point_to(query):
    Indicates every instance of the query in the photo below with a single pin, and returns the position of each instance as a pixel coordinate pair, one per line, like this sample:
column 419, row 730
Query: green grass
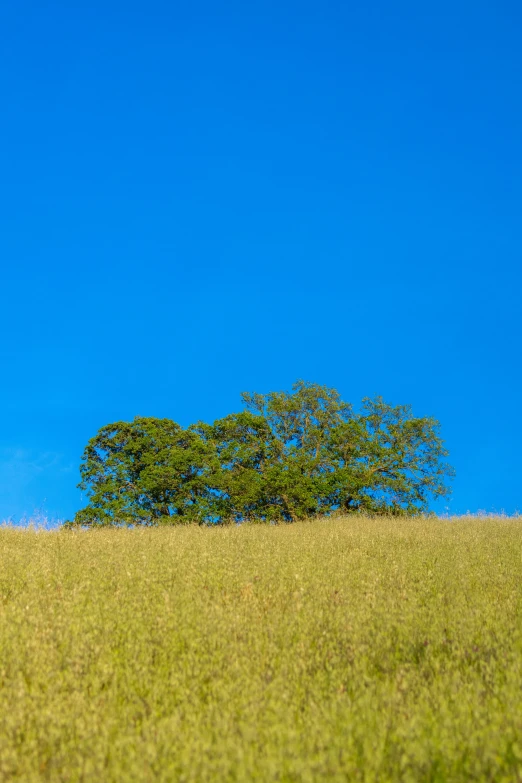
column 339, row 650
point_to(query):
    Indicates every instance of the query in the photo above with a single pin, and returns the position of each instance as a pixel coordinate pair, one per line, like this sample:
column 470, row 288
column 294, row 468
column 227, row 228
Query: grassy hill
column 340, row 650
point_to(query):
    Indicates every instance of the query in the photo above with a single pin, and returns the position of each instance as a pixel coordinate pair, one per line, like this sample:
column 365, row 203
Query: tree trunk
column 288, row 508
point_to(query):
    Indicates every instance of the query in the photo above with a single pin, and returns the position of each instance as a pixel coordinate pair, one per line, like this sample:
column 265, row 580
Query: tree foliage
column 286, row 456
column 148, row 471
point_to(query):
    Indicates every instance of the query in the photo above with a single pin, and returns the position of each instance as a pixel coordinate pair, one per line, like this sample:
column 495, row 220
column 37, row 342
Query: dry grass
column 337, row 650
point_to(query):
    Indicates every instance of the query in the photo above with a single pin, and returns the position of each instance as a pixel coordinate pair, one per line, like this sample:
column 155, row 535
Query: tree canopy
column 286, row 456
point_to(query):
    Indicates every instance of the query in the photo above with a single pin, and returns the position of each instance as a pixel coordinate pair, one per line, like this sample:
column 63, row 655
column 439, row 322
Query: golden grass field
column 335, row 650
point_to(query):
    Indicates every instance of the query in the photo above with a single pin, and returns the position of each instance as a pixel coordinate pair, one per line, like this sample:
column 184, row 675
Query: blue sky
column 203, row 198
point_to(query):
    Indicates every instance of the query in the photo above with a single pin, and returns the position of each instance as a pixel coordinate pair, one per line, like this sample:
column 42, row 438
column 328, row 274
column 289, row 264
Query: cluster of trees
column 286, row 456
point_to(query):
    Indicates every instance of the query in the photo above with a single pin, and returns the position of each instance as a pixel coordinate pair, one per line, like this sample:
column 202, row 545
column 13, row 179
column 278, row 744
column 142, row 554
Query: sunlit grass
column 336, row 650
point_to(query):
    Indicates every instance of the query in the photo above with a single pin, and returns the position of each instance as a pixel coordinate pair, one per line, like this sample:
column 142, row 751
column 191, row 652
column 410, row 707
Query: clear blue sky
column 201, row 198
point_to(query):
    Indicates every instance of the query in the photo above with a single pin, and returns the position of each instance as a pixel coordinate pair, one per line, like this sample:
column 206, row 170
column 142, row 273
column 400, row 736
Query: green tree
column 149, row 471
column 243, row 445
column 299, row 474
column 389, row 461
column 314, row 455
